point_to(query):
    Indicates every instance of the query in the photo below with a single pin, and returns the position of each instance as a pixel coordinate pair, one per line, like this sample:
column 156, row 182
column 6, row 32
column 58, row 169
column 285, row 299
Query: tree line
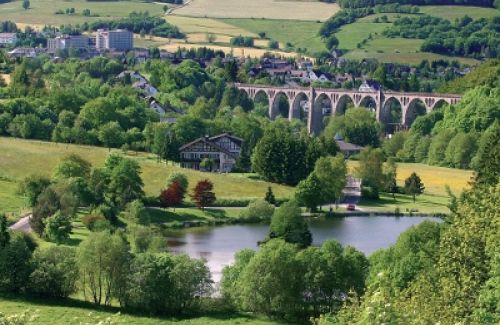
column 465, row 37
column 371, row 3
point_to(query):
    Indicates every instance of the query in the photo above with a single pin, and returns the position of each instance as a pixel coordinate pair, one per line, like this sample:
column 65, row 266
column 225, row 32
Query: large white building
column 7, row 38
column 119, row 39
column 66, row 42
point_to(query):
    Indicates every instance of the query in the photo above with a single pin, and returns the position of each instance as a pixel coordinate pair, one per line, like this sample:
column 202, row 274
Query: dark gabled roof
column 207, row 141
column 239, row 141
column 326, row 74
column 346, row 146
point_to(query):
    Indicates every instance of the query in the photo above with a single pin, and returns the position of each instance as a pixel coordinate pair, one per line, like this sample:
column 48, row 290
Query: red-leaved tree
column 202, row 193
column 172, row 196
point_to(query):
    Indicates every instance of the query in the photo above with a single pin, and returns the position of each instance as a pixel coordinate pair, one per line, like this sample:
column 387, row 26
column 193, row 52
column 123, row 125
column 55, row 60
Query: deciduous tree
column 203, row 194
column 414, row 185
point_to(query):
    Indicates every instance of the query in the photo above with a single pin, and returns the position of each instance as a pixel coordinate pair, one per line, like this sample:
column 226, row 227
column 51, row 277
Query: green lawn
column 425, row 203
column 63, row 312
column 9, row 200
column 301, row 34
column 167, row 216
column 21, row 158
column 42, row 12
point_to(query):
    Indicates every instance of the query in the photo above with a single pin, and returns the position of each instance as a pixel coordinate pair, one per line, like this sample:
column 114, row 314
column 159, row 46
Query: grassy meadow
column 433, row 200
column 296, row 10
column 301, row 34
column 453, row 12
column 62, row 312
column 400, row 50
column 42, row 12
column 21, row 158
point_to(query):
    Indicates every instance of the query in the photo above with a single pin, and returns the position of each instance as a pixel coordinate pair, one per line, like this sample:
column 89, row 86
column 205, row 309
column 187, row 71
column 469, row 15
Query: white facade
column 7, row 38
column 119, row 39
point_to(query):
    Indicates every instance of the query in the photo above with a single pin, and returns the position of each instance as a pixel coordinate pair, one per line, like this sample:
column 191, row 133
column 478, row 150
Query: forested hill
column 486, row 74
column 371, row 3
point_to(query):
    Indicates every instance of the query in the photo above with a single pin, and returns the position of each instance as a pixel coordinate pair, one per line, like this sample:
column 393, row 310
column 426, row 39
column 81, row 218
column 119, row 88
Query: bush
column 90, row 220
column 136, row 212
column 15, row 266
column 258, row 210
column 369, row 192
column 55, row 272
column 57, row 228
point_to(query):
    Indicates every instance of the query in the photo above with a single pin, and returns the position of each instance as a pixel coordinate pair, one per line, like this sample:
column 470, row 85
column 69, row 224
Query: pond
column 218, row 244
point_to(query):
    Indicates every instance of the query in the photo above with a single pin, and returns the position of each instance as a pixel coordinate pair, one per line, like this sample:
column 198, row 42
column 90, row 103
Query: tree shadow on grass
column 87, row 306
column 216, row 213
column 164, row 216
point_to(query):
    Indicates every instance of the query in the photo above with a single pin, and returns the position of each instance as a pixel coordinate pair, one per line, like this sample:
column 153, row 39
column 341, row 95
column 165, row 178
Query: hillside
column 487, row 73
column 21, row 158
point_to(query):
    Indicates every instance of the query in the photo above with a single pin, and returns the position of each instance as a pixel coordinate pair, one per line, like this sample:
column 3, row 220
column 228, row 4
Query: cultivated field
column 43, row 11
column 21, row 158
column 237, row 51
column 272, row 9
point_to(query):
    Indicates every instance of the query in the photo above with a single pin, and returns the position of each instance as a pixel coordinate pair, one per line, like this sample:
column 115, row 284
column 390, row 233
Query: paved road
column 23, row 224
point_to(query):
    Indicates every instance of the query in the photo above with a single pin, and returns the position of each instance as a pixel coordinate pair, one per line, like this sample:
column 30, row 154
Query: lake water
column 218, row 244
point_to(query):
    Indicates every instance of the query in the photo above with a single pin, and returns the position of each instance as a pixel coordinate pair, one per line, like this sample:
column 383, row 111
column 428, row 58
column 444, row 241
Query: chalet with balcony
column 223, row 150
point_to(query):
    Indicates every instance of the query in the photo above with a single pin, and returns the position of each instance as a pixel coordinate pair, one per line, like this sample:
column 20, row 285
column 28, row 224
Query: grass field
column 435, row 197
column 43, row 11
column 301, row 34
column 272, row 9
column 63, row 312
column 21, row 158
column 453, row 12
column 400, row 49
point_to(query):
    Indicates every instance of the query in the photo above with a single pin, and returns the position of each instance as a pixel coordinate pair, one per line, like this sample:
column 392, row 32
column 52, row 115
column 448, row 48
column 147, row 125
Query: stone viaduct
column 313, row 104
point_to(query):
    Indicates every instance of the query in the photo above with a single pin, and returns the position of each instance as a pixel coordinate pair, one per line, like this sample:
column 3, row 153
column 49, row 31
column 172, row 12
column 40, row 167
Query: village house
column 26, row 52
column 222, row 151
column 369, row 86
column 8, row 38
column 318, row 75
column 347, row 149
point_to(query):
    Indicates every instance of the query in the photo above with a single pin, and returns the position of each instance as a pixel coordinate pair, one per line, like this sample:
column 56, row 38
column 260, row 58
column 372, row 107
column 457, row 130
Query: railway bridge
column 314, row 104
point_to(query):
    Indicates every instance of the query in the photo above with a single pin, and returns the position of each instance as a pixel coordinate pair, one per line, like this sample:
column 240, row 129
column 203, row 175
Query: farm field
column 43, row 11
column 23, row 157
column 62, row 312
column 300, row 34
column 272, row 9
column 237, row 51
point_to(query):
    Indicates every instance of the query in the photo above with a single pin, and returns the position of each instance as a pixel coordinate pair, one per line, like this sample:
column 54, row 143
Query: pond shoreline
column 326, row 215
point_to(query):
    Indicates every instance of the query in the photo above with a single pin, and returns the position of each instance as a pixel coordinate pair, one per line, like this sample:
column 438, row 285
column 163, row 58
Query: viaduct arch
column 314, row 104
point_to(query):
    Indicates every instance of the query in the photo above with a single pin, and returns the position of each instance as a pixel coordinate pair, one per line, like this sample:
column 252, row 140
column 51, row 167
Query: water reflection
column 218, row 244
